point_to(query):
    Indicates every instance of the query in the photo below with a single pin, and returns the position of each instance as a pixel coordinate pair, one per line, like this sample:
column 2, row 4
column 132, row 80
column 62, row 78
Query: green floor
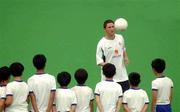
column 67, row 32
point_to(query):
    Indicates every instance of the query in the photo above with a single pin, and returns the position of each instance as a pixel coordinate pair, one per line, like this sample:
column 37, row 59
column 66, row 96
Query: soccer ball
column 121, row 24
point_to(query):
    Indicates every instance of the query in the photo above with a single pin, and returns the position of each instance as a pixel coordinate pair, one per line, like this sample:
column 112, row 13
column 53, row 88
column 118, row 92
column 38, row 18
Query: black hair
column 158, row 65
column 109, row 70
column 63, row 78
column 4, row 73
column 16, row 69
column 39, row 61
column 106, row 22
column 134, row 78
column 81, row 76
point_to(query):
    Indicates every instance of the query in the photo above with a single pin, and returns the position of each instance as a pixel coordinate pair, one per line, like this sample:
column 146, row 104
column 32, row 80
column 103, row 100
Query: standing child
column 4, row 78
column 108, row 93
column 42, row 86
column 65, row 99
column 17, row 90
column 161, row 88
column 84, row 93
column 135, row 99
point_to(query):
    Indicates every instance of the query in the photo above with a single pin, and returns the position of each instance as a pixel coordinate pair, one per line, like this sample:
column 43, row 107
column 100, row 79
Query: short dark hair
column 106, row 22
column 39, row 61
column 109, row 70
column 4, row 73
column 158, row 65
column 81, row 76
column 16, row 69
column 63, row 78
column 134, row 78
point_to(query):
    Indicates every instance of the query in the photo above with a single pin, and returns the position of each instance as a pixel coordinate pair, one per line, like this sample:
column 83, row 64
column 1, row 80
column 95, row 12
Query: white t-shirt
column 163, row 86
column 113, row 52
column 42, row 85
column 19, row 91
column 135, row 99
column 2, row 92
column 64, row 99
column 84, row 95
column 109, row 92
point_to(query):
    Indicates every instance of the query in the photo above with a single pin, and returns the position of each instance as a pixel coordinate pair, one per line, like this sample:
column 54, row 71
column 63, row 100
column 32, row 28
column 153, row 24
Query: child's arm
column 144, row 109
column 170, row 97
column 51, row 100
column 154, row 99
column 99, row 104
column 118, row 104
column 33, row 101
column 1, row 105
column 73, row 108
column 9, row 100
column 126, row 108
column 91, row 106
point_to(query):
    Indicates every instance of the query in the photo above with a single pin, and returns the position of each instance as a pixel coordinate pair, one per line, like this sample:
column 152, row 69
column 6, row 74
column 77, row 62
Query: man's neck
column 18, row 78
column 110, row 37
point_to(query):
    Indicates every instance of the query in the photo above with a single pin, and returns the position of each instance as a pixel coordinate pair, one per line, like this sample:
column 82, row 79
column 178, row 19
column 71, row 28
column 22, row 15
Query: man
column 111, row 49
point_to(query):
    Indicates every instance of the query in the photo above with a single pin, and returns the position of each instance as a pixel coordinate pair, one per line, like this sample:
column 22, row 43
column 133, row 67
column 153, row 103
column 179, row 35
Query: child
column 135, row 99
column 4, row 78
column 17, row 90
column 161, row 87
column 65, row 99
column 108, row 93
column 42, row 86
column 84, row 93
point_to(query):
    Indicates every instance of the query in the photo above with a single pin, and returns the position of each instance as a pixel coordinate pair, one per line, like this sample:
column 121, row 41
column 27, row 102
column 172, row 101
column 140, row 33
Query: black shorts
column 125, row 85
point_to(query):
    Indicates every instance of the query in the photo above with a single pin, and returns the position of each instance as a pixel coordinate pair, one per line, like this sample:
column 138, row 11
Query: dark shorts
column 125, row 85
column 163, row 108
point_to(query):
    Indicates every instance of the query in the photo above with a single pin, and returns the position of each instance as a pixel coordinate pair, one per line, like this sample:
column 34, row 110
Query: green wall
column 67, row 32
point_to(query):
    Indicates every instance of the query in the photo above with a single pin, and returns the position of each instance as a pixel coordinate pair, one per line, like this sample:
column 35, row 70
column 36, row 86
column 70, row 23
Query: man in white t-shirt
column 108, row 93
column 4, row 78
column 84, row 93
column 162, row 88
column 65, row 99
column 135, row 99
column 42, row 86
column 16, row 91
column 111, row 49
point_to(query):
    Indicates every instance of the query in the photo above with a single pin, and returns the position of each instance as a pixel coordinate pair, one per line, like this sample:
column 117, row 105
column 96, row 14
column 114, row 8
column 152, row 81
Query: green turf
column 67, row 32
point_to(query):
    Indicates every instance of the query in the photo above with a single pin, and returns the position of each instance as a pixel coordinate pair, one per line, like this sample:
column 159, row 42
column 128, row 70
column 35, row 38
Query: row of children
column 44, row 97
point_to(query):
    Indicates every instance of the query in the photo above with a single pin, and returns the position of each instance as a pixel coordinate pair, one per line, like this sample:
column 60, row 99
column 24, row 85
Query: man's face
column 110, row 30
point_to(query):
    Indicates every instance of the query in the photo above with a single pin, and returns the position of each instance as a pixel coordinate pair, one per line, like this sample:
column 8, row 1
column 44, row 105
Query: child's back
column 109, row 92
column 84, row 93
column 17, row 91
column 84, row 96
column 65, row 98
column 42, row 85
column 163, row 85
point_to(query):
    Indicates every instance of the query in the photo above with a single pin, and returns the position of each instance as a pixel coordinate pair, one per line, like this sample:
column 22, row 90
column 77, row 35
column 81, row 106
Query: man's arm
column 126, row 59
column 91, row 106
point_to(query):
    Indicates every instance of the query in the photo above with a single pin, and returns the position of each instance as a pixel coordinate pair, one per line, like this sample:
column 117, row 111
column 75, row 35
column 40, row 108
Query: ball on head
column 121, row 24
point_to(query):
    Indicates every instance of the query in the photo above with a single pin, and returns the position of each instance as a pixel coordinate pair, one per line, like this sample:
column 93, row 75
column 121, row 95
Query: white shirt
column 163, row 86
column 19, row 91
column 84, row 95
column 2, row 92
column 64, row 99
column 42, row 85
column 113, row 52
column 109, row 92
column 135, row 99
